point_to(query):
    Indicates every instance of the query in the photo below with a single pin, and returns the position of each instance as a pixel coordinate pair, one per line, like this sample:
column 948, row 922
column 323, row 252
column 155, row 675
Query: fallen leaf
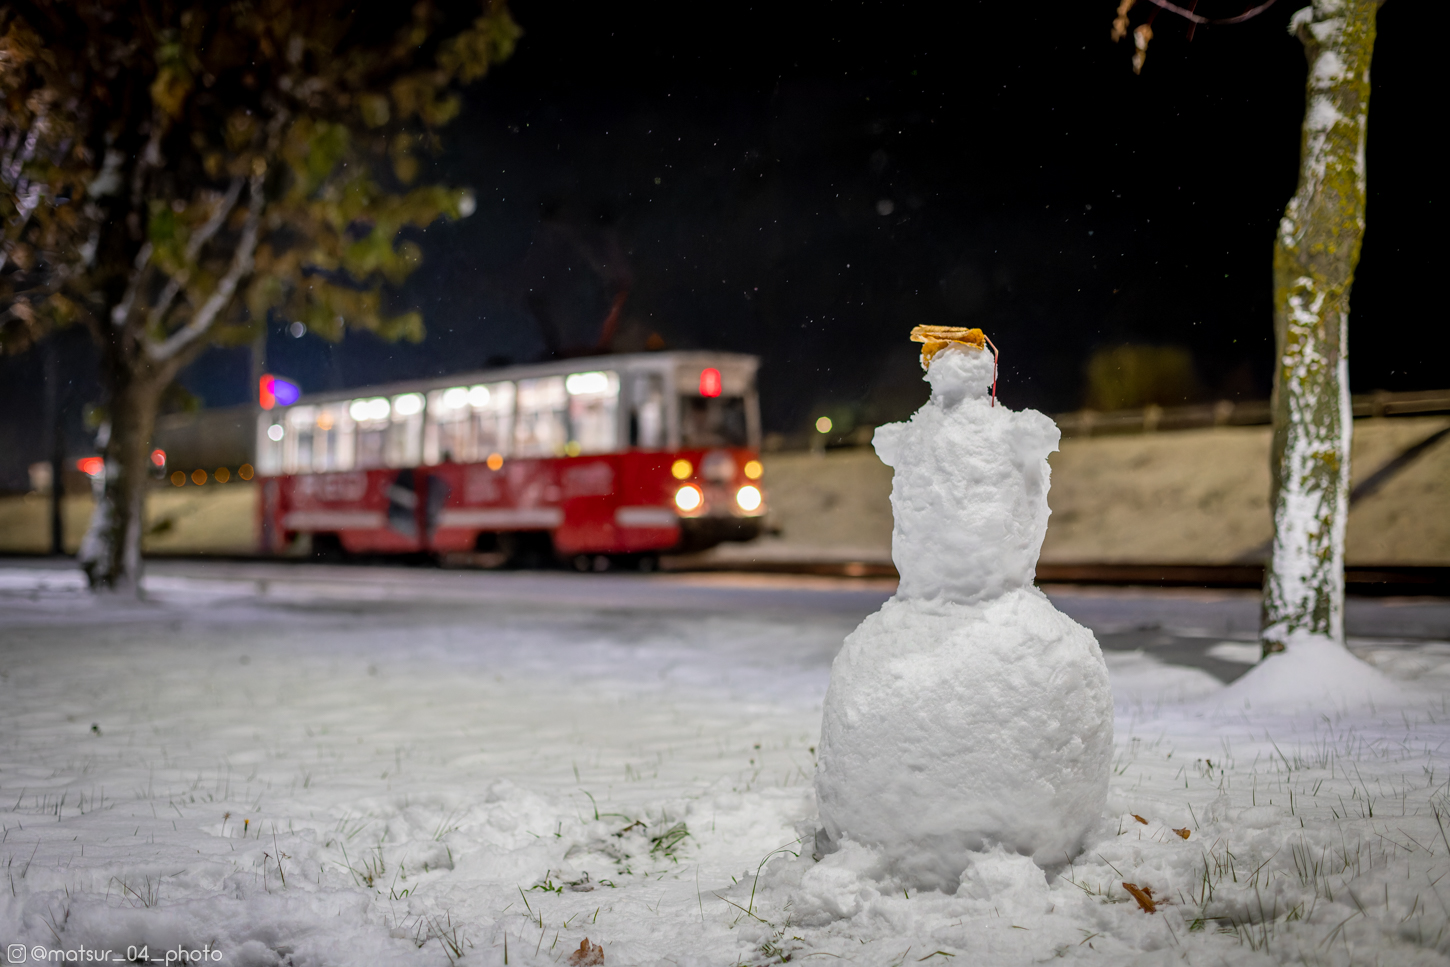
column 1144, row 896
column 1182, row 832
column 590, row 954
column 1139, row 818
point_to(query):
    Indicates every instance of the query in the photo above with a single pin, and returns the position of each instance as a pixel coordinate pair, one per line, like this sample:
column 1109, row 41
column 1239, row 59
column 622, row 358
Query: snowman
column 968, row 713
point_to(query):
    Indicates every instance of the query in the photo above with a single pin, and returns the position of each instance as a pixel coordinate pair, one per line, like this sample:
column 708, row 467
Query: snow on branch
column 201, row 323
column 193, row 249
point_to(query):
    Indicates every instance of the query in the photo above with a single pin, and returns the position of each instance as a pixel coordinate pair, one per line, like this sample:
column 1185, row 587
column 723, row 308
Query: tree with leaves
column 174, row 171
column 1316, row 251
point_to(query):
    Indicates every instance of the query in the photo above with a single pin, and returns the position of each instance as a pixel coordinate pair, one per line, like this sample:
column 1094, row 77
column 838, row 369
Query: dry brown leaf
column 589, row 954
column 1182, row 832
column 1141, row 35
column 1120, row 22
column 1139, row 818
column 1144, row 896
column 937, row 338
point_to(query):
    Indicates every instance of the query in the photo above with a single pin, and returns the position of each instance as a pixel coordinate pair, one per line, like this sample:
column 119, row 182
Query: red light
column 94, row 466
column 158, row 457
column 710, row 382
column 265, row 396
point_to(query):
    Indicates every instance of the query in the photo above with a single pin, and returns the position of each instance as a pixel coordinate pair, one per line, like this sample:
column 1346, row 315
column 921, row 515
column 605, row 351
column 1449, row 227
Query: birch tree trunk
column 1315, row 255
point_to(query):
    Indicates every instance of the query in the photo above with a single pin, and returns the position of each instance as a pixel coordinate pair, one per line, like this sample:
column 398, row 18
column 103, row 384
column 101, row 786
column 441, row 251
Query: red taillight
column 710, row 382
column 94, row 466
column 158, row 457
column 265, row 396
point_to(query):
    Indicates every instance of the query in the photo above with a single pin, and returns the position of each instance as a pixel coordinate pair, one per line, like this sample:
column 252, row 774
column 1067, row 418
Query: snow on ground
column 272, row 764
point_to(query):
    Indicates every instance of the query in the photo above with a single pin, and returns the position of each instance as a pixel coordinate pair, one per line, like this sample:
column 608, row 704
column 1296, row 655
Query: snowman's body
column 968, row 711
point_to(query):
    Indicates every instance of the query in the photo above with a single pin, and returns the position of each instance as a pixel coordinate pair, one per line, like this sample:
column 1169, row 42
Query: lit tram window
column 365, row 411
column 582, row 384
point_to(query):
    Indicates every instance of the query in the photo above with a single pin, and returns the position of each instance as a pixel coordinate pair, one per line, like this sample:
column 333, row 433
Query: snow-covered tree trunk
column 110, row 553
column 1314, row 260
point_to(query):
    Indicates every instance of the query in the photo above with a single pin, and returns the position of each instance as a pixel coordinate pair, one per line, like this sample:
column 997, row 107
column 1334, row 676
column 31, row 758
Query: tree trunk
column 1315, row 255
column 111, row 550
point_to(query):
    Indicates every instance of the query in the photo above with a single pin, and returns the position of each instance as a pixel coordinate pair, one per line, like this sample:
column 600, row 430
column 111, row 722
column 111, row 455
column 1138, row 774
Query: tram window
column 467, row 423
column 493, row 416
column 332, row 439
column 593, row 409
column 297, row 444
column 448, row 436
column 540, row 424
column 405, row 434
column 647, row 417
column 713, row 421
column 371, row 417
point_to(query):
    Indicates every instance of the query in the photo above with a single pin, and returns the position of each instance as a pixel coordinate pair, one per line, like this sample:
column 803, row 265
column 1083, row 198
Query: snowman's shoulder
column 889, row 439
column 1036, row 429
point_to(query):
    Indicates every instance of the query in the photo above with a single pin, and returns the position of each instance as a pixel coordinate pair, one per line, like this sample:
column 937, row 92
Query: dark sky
column 808, row 181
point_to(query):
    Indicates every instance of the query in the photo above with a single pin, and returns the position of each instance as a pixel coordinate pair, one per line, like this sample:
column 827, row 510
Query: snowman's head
column 960, row 372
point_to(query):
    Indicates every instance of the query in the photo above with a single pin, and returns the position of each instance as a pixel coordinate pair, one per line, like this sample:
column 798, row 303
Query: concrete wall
column 1189, row 496
column 213, row 519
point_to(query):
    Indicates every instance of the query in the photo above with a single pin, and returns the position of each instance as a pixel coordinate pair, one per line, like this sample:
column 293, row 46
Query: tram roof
column 626, row 362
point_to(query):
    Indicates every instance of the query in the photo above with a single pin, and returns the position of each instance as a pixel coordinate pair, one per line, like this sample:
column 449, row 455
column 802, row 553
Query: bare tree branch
column 207, row 314
column 1187, row 14
column 27, row 194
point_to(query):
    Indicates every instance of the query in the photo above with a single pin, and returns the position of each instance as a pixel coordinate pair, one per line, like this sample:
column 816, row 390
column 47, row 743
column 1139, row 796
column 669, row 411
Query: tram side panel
column 519, row 495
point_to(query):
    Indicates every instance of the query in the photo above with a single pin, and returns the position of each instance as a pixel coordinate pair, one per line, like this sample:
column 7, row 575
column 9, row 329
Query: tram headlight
column 748, row 498
column 689, row 498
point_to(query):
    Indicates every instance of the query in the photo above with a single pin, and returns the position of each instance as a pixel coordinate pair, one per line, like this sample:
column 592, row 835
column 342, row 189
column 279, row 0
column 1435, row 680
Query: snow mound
column 968, row 712
column 1312, row 670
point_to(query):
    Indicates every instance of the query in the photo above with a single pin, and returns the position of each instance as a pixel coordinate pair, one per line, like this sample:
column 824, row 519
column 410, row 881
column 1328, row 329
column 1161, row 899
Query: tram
column 597, row 461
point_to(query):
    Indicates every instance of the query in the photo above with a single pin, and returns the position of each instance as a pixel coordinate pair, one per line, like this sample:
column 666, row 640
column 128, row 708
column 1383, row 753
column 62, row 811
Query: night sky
column 808, row 181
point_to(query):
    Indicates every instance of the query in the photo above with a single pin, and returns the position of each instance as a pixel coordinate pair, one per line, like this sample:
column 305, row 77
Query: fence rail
column 1230, row 413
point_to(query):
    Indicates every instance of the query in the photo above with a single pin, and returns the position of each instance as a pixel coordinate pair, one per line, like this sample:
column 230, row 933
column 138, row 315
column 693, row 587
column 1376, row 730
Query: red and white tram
column 589, row 460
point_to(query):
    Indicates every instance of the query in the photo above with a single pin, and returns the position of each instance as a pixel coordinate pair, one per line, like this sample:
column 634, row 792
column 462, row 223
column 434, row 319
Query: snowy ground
column 298, row 765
